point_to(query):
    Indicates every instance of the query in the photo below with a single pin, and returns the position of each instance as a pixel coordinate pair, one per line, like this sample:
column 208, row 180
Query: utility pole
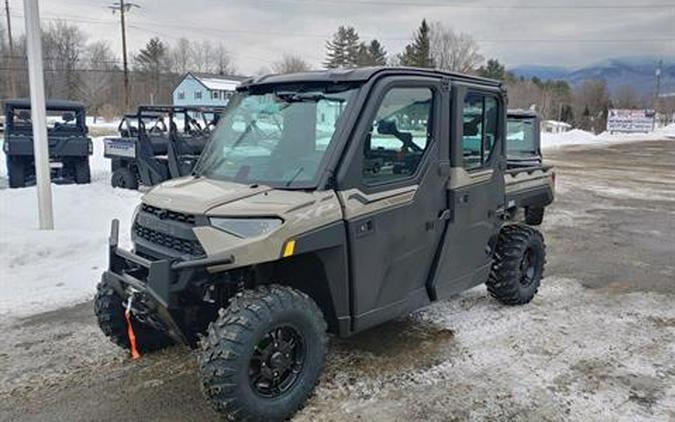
column 124, row 7
column 38, row 113
column 12, row 80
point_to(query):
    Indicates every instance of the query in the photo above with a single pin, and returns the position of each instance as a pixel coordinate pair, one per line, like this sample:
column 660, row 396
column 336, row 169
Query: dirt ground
column 597, row 343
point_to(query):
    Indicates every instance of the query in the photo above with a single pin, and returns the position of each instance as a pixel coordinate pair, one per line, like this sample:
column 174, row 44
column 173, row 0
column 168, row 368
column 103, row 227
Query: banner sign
column 624, row 120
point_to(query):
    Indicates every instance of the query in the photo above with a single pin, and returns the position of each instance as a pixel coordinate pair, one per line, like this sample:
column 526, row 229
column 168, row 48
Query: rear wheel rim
column 528, row 268
column 277, row 362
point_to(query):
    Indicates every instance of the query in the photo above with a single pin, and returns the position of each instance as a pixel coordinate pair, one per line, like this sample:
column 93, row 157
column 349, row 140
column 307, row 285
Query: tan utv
column 325, row 202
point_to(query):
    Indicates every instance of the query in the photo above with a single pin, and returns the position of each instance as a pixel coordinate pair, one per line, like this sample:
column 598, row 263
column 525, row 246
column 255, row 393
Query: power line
column 445, row 5
column 124, row 8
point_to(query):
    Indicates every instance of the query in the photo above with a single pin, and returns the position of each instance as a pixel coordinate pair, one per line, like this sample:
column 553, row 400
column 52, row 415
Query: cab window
column 480, row 129
column 398, row 136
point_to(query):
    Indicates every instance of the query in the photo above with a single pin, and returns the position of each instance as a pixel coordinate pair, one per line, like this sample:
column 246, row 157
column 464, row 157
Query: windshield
column 520, row 137
column 64, row 122
column 274, row 138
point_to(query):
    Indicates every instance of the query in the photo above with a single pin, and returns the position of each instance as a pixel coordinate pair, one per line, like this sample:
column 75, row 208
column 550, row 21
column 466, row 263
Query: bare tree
column 97, row 80
column 456, row 52
column 289, row 64
column 626, row 97
column 181, row 56
column 592, row 100
column 224, row 63
column 63, row 46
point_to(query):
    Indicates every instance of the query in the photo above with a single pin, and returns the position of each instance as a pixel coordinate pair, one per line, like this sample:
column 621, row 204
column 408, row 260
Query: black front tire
column 534, row 216
column 230, row 363
column 518, row 265
column 82, row 171
column 109, row 311
column 17, row 169
column 124, row 178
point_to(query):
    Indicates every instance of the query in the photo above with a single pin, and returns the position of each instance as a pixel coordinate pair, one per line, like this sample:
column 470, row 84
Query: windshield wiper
column 302, row 97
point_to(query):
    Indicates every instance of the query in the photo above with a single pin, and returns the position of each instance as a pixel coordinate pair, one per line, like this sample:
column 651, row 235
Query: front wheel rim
column 277, row 362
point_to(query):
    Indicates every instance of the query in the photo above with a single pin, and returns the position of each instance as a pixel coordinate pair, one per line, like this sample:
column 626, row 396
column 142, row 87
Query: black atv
column 69, row 145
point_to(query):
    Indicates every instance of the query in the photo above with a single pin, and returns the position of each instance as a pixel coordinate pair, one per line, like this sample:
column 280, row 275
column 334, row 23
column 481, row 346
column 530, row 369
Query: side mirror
column 387, row 127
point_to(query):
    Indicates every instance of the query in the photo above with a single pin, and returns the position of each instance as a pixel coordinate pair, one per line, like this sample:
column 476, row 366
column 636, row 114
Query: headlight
column 246, row 227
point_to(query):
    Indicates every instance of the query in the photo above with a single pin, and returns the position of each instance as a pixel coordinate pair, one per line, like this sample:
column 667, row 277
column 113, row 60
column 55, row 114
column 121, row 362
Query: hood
column 196, row 195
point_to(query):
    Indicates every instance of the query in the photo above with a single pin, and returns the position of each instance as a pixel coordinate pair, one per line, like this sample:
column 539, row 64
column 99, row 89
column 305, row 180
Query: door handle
column 463, row 198
column 365, row 228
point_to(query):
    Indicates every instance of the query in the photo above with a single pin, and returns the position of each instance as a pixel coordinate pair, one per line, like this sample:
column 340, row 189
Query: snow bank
column 581, row 137
column 44, row 270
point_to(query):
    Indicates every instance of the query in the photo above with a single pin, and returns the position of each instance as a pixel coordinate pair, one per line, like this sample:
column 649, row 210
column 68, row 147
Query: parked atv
column 287, row 231
column 529, row 182
column 69, row 145
column 158, row 143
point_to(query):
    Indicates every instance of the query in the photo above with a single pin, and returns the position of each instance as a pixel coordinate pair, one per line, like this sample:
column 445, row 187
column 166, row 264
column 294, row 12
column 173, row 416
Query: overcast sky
column 258, row 32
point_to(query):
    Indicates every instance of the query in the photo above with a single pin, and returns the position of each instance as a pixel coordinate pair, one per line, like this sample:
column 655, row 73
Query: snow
column 44, row 270
column 581, row 137
column 219, row 84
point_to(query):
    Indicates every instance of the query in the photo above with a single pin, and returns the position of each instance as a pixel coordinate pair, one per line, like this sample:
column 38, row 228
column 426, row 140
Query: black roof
column 360, row 74
column 518, row 112
column 51, row 104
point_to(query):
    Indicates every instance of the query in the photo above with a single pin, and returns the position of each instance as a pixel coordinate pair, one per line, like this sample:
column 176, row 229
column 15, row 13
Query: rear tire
column 124, row 178
column 17, row 168
column 518, row 265
column 82, row 171
column 534, row 216
column 109, row 311
column 245, row 373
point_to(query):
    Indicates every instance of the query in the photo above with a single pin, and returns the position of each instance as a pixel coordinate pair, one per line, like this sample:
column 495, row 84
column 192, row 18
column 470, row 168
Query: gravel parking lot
column 597, row 343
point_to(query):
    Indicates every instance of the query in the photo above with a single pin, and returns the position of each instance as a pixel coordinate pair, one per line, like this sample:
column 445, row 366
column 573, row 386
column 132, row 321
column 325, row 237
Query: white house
column 205, row 89
column 552, row 126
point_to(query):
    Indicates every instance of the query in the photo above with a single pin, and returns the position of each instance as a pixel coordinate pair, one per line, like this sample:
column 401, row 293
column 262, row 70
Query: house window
column 198, row 95
column 215, row 95
column 181, row 95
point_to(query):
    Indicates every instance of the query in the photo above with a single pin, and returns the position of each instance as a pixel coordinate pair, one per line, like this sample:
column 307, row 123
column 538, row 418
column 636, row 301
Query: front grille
column 165, row 214
column 186, row 246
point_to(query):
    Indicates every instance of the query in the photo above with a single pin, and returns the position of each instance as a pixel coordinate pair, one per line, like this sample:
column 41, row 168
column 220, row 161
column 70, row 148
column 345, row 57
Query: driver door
column 392, row 196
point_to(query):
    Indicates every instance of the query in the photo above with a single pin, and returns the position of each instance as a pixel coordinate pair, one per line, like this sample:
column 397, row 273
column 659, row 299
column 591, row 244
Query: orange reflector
column 290, row 248
column 132, row 336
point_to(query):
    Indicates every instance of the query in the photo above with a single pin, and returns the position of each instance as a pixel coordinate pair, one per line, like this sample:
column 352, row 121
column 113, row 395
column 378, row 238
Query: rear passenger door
column 475, row 190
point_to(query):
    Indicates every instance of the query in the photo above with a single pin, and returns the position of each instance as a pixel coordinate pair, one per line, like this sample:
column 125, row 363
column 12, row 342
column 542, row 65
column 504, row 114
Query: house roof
column 216, row 82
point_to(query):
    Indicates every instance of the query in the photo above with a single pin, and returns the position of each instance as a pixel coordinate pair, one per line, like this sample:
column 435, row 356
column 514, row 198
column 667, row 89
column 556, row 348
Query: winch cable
column 130, row 331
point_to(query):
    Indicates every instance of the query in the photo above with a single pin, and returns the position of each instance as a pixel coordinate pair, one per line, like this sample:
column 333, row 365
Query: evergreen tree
column 152, row 61
column 418, row 52
column 343, row 50
column 377, row 53
column 493, row 70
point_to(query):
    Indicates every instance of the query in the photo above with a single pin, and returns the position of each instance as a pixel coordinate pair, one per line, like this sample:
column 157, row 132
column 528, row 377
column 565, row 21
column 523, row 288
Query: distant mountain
column 638, row 72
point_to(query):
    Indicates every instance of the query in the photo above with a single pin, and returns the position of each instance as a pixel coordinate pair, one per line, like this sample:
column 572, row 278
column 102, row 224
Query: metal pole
column 38, row 113
column 12, row 80
column 657, row 93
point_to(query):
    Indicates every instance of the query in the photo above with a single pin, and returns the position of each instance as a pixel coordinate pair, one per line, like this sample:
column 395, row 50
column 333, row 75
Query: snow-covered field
column 583, row 138
column 42, row 270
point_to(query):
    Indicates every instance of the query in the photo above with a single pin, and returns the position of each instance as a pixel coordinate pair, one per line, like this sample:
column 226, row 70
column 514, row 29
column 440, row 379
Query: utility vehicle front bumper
column 156, row 282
